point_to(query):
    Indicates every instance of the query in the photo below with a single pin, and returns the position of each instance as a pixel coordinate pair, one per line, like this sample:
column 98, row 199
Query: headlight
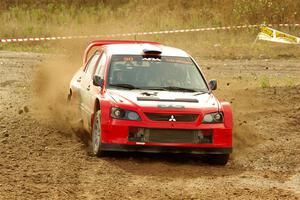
column 213, row 118
column 119, row 113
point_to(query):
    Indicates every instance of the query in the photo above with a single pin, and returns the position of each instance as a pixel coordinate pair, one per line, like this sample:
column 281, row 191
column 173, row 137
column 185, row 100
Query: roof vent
column 151, row 49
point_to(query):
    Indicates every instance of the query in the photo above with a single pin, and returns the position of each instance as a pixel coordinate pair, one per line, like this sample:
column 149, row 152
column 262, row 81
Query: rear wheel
column 217, row 159
column 96, row 135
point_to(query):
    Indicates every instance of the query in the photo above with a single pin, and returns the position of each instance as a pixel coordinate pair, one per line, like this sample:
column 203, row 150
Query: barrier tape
column 31, row 39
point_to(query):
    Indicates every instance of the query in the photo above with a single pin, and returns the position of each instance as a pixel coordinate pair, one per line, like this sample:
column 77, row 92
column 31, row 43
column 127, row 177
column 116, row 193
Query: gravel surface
column 42, row 158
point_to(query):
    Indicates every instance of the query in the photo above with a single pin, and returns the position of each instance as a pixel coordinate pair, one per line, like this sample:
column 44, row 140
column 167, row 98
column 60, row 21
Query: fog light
column 136, row 134
column 200, row 135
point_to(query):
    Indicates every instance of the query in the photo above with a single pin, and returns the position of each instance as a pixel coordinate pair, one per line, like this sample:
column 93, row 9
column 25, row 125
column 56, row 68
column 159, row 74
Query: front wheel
column 96, row 135
column 217, row 159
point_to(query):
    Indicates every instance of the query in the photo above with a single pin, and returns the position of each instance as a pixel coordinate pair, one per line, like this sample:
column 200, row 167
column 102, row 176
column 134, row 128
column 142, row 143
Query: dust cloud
column 51, row 86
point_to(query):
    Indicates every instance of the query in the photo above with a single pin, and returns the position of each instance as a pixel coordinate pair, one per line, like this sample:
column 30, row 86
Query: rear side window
column 89, row 69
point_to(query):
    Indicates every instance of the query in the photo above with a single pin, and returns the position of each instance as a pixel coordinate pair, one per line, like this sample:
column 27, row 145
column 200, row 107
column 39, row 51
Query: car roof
column 138, row 49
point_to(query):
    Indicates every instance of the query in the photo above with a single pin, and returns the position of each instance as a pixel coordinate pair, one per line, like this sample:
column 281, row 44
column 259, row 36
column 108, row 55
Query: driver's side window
column 101, row 66
column 89, row 69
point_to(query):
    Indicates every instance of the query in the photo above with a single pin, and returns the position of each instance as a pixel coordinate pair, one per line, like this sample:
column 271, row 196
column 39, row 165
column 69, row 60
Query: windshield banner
column 273, row 35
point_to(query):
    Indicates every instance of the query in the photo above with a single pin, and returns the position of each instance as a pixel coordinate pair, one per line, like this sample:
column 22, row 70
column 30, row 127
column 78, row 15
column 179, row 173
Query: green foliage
column 60, row 15
column 31, row 18
column 265, row 82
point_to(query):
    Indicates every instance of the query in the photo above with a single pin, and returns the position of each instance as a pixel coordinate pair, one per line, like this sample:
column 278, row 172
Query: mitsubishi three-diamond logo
column 172, row 119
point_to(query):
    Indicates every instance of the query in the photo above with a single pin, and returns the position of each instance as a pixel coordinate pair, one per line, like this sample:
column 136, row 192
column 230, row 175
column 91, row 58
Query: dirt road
column 41, row 158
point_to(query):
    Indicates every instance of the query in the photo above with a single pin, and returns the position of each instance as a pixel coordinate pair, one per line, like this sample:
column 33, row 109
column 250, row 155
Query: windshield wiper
column 153, row 88
column 180, row 89
column 170, row 88
column 200, row 92
column 124, row 85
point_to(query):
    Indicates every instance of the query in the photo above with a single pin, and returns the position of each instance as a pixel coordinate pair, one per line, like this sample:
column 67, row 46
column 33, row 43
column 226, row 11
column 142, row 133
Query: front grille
column 170, row 135
column 170, row 117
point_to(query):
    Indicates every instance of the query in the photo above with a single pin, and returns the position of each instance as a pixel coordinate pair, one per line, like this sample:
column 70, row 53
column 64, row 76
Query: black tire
column 217, row 159
column 96, row 136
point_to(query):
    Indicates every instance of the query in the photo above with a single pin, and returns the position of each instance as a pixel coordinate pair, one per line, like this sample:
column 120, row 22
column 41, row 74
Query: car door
column 86, row 88
column 96, row 90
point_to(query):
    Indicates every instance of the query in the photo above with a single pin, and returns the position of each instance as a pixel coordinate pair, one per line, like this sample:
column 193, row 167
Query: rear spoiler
column 98, row 43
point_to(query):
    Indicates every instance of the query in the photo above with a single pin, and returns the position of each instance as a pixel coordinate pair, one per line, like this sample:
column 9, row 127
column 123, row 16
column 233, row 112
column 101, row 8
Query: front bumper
column 164, row 149
column 115, row 137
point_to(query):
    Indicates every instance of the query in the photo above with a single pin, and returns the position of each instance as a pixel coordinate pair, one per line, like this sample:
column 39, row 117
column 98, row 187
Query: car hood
column 164, row 99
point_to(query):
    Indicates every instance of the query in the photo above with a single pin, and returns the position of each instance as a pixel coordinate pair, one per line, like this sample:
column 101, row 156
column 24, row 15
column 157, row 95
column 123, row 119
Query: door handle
column 88, row 88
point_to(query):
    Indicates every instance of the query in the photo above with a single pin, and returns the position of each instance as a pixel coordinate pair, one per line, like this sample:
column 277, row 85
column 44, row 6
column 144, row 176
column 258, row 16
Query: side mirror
column 97, row 81
column 213, row 84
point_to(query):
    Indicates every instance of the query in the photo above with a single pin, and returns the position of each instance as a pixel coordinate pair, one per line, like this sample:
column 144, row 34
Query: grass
column 29, row 18
column 265, row 82
column 271, row 81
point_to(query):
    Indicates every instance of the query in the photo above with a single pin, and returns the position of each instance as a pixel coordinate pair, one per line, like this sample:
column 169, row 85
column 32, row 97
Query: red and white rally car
column 147, row 97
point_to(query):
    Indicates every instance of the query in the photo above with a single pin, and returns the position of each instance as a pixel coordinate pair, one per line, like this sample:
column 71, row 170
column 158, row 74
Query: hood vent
column 168, row 100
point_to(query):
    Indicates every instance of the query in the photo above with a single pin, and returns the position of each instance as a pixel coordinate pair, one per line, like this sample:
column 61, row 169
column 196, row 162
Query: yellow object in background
column 273, row 35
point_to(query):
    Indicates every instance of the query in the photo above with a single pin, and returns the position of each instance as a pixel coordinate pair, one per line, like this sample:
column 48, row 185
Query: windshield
column 166, row 72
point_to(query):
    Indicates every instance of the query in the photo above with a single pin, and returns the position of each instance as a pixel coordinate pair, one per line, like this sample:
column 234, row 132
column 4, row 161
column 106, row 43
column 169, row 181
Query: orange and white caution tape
column 31, row 39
